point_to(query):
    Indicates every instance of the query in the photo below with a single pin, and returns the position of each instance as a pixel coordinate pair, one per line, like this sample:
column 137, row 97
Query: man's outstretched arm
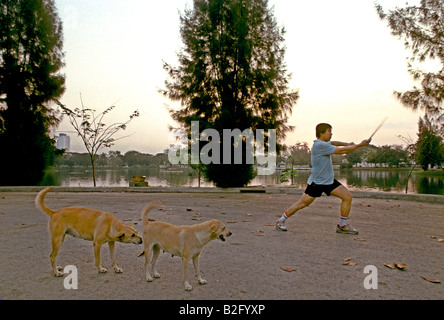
column 351, row 147
column 341, row 144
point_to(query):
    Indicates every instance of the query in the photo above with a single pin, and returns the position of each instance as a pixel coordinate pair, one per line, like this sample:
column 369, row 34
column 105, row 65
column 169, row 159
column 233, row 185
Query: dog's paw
column 102, row 270
column 188, row 286
column 202, row 281
column 157, row 275
column 150, row 279
column 118, row 270
column 58, row 272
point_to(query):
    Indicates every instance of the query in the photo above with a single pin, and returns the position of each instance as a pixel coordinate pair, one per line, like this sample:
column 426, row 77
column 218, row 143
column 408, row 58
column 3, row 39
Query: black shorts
column 315, row 190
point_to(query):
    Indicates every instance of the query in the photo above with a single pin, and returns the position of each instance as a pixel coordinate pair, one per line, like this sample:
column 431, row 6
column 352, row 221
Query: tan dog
column 97, row 226
column 186, row 242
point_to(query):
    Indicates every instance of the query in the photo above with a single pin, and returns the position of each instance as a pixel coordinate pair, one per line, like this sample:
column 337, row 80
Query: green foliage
column 288, row 175
column 356, row 156
column 421, row 29
column 429, row 148
column 390, row 155
column 298, row 154
column 231, row 75
column 114, row 159
column 31, row 56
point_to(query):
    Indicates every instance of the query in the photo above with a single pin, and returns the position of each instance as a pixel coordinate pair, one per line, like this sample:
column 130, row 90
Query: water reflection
column 366, row 179
column 380, row 180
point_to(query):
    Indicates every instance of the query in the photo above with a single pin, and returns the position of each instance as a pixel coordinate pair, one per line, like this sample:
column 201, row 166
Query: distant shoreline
column 429, row 198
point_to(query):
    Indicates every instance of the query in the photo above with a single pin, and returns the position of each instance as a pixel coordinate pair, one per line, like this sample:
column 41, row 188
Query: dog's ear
column 213, row 228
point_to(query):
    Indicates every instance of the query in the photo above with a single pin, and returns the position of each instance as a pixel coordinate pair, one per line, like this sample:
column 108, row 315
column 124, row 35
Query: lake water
column 387, row 180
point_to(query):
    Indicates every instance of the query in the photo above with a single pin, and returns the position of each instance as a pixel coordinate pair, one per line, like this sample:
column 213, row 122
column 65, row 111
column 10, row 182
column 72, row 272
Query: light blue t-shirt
column 321, row 165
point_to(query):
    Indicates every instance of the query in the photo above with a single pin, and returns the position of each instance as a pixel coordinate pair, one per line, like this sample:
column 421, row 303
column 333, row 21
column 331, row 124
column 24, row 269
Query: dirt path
column 248, row 265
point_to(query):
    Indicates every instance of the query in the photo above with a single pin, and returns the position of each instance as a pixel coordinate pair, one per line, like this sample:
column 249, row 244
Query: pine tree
column 231, row 75
column 422, row 29
column 429, row 148
column 31, row 56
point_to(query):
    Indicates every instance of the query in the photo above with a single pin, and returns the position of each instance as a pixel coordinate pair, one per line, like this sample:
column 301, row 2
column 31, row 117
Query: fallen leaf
column 401, row 266
column 288, row 269
column 440, row 240
column 347, row 262
column 431, row 280
column 359, row 239
column 188, row 209
column 258, row 233
column 128, row 219
column 433, row 237
column 394, row 265
column 269, row 225
column 231, row 221
column 249, row 214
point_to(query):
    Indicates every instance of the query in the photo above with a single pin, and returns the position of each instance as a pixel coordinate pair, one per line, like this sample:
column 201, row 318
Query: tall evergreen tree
column 422, row 30
column 231, row 75
column 31, row 56
column 429, row 147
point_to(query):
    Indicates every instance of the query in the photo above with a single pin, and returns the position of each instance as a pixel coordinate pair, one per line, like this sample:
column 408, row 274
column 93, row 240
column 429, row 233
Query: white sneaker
column 280, row 226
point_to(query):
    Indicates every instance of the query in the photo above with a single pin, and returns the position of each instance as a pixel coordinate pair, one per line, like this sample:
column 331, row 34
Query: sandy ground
column 248, row 265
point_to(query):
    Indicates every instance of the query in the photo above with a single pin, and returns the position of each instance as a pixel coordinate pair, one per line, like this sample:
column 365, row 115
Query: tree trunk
column 93, row 164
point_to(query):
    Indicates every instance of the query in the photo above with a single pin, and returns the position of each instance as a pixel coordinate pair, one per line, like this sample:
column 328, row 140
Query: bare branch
column 94, row 133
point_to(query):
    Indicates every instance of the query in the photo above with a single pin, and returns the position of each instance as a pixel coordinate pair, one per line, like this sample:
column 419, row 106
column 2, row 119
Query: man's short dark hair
column 321, row 128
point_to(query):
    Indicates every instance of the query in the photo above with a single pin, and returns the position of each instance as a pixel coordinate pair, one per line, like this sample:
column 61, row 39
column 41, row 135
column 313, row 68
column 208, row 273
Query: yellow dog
column 93, row 225
column 186, row 242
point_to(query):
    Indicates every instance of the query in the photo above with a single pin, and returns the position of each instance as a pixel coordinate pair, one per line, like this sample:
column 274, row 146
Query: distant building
column 63, row 142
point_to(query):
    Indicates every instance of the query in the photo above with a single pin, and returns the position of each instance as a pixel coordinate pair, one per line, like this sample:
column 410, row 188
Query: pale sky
column 344, row 62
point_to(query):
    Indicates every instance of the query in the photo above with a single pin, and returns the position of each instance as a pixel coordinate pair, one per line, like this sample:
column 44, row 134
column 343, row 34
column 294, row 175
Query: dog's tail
column 40, row 202
column 147, row 209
